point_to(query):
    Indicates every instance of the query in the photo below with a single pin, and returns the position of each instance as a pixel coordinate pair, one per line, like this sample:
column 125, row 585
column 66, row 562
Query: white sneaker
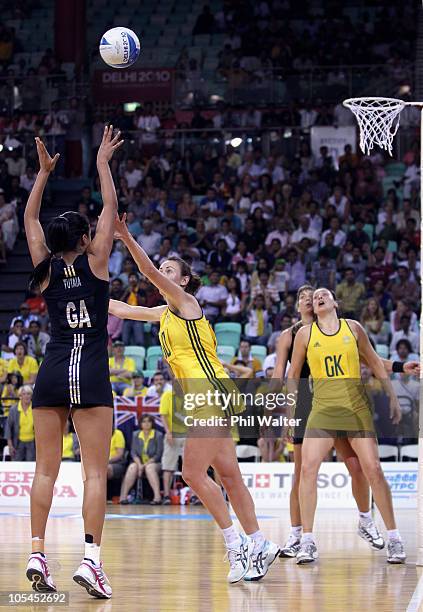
column 239, row 559
column 369, row 532
column 38, row 574
column 396, row 552
column 291, row 547
column 93, row 579
column 307, row 552
column 261, row 561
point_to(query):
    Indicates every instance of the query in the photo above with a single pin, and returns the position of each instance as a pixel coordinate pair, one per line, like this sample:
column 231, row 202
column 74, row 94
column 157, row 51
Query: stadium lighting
column 235, row 142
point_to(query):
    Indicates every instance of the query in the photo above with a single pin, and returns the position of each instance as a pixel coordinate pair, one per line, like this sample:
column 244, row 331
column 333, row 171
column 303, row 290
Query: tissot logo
column 262, row 481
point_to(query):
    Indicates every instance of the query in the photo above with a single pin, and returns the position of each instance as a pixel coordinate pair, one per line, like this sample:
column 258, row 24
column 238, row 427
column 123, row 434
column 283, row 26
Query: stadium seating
column 382, row 350
column 248, row 451
column 259, row 352
column 409, row 452
column 154, row 354
column 228, row 334
column 138, row 355
column 388, row 452
column 225, row 353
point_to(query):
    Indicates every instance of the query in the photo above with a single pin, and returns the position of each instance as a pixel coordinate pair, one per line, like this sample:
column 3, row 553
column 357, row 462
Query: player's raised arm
column 173, row 292
column 102, row 243
column 34, row 232
column 136, row 313
column 282, row 351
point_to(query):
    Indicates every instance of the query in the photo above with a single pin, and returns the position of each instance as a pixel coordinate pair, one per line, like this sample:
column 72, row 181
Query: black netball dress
column 304, row 395
column 75, row 370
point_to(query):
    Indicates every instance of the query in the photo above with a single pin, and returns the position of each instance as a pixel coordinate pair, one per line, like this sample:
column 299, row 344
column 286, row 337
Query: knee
column 374, row 472
column 309, row 469
column 191, row 475
column 354, row 467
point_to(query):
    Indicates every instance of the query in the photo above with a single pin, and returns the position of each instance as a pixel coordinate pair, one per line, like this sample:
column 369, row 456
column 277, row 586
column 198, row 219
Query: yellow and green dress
column 189, row 347
column 340, row 402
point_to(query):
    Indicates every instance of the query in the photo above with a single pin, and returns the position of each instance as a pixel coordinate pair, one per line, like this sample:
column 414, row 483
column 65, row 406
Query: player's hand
column 109, row 144
column 169, row 438
column 121, row 229
column 412, row 368
column 395, row 411
column 47, row 164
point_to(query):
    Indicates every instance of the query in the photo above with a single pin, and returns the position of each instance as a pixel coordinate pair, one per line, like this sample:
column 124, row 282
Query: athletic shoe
column 261, row 561
column 38, row 573
column 166, row 501
column 369, row 532
column 239, row 559
column 307, row 552
column 291, row 547
column 396, row 552
column 93, row 579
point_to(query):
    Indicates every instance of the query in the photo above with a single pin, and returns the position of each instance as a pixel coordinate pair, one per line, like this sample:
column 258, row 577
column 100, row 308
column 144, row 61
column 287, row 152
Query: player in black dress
column 72, row 273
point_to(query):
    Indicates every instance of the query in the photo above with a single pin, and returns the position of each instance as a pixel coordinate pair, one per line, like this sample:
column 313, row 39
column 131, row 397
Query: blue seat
column 258, row 351
column 138, row 355
column 225, row 353
column 228, row 334
column 154, row 354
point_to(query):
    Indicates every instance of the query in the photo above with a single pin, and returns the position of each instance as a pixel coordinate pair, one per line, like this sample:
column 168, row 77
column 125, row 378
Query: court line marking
column 417, row 597
column 136, row 517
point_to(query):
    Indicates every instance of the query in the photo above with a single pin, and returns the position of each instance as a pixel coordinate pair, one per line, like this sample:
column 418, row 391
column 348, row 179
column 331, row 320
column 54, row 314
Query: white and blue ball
column 119, row 47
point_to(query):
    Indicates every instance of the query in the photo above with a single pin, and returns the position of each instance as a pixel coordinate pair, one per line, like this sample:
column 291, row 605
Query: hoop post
column 419, row 559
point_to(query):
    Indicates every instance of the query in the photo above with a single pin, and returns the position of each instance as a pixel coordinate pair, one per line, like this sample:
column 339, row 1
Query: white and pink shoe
column 38, row 574
column 93, row 579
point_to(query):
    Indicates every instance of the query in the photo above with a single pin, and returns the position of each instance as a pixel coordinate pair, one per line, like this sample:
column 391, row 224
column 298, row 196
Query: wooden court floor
column 171, row 558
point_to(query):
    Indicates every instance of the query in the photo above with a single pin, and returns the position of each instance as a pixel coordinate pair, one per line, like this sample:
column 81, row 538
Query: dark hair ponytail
column 63, row 234
column 194, row 282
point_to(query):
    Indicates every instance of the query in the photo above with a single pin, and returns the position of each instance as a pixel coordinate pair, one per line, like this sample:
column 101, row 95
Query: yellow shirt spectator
column 26, row 424
column 7, row 403
column 3, row 370
column 127, row 363
column 146, row 438
column 133, row 392
column 68, row 446
column 117, row 442
column 28, row 369
column 175, row 423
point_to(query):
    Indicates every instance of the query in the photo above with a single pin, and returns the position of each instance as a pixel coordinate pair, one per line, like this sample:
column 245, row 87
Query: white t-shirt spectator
column 342, row 116
column 408, row 393
column 277, row 174
column 283, row 237
column 249, row 168
column 269, row 362
column 339, row 240
column 149, row 124
column 150, row 242
column 133, row 178
column 412, row 337
column 233, row 304
column 251, row 329
column 308, row 117
column 299, row 234
column 16, row 167
column 211, row 293
column 27, row 182
column 340, row 206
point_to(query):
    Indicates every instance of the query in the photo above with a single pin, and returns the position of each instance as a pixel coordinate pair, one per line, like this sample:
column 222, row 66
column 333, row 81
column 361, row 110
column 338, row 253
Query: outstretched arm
column 175, row 294
column 102, row 244
column 136, row 313
column 34, row 232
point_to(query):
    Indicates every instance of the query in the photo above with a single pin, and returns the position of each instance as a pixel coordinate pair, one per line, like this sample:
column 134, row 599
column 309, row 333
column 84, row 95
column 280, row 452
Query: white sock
column 231, row 535
column 92, row 551
column 393, row 534
column 307, row 537
column 297, row 531
column 365, row 517
column 258, row 539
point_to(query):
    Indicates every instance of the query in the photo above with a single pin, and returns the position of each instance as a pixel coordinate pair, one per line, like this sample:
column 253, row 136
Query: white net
column 378, row 120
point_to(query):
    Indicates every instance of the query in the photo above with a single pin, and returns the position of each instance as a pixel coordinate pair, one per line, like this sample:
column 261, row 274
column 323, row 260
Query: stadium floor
column 171, row 558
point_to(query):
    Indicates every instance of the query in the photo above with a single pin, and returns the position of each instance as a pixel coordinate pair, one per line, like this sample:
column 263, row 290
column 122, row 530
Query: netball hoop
column 378, row 120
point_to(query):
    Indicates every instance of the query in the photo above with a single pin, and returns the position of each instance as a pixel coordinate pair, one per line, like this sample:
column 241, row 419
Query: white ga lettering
column 72, row 315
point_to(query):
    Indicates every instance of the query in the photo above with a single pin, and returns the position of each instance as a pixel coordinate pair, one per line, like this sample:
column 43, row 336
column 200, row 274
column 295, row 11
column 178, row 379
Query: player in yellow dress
column 340, row 408
column 189, row 346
